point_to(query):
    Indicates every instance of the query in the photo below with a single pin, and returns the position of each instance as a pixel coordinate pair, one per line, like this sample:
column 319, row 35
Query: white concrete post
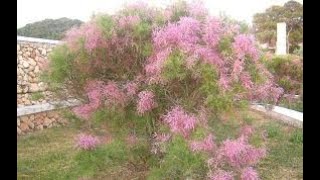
column 281, row 39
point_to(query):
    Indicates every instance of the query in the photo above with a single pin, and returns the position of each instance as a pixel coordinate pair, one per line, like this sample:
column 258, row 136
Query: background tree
column 291, row 13
column 49, row 28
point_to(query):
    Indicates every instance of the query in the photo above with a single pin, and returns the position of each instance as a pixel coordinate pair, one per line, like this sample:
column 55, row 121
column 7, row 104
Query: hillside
column 48, row 28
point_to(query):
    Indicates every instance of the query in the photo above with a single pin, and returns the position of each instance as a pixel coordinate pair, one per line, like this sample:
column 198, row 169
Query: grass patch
column 37, row 96
column 50, row 154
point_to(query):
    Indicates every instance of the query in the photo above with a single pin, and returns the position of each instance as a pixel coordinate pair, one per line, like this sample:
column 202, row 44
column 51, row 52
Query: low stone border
column 38, row 117
column 39, row 40
column 27, row 110
column 288, row 116
column 33, row 122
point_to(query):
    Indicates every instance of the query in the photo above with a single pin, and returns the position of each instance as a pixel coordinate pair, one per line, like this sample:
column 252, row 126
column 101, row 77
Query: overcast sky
column 30, row 11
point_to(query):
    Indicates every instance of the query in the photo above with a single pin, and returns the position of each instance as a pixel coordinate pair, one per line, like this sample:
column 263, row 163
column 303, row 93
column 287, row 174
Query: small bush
column 288, row 72
column 297, row 137
column 87, row 142
column 37, row 96
column 146, row 71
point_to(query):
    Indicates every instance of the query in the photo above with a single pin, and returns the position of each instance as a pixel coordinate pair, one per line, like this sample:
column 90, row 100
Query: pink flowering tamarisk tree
column 175, row 65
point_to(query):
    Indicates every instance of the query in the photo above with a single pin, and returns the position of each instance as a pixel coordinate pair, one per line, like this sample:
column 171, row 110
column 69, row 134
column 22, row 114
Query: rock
column 37, row 52
column 56, row 116
column 24, row 127
column 30, row 69
column 18, row 122
column 31, row 73
column 39, row 127
column 42, row 86
column 19, row 131
column 47, row 121
column 27, row 102
column 19, row 90
column 27, row 54
column 33, row 54
column 43, row 52
column 24, row 119
column 50, row 114
column 36, row 69
column 20, row 58
column 32, row 62
column 18, row 47
column 25, row 89
column 34, row 88
column 31, row 117
column 25, row 64
column 31, row 125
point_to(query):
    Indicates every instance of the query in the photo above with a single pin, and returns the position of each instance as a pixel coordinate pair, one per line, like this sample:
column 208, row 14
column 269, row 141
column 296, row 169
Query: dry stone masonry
column 34, row 112
column 32, row 56
column 39, row 121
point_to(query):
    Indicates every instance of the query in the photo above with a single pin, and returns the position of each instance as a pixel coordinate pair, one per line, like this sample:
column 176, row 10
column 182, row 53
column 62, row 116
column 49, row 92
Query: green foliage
column 266, row 23
column 105, row 22
column 174, row 67
column 49, row 28
column 296, row 104
column 274, row 130
column 215, row 99
column 288, row 72
column 89, row 162
column 61, row 59
column 179, row 10
column 298, row 51
column 37, row 96
column 225, row 46
column 179, row 163
column 297, row 136
column 244, row 27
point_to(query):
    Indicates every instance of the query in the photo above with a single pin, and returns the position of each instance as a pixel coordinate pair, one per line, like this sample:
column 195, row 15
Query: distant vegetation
column 48, row 28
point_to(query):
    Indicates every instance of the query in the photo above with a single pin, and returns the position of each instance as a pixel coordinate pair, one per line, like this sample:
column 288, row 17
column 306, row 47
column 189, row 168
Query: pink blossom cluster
column 205, row 145
column 91, row 34
column 93, row 91
column 237, row 68
column 221, row 175
column 212, row 32
column 86, row 142
column 267, row 92
column 246, row 81
column 184, row 33
column 231, row 30
column 128, row 21
column 131, row 88
column 224, row 81
column 179, row 121
column 146, row 102
column 244, row 45
column 162, row 137
column 197, row 8
column 114, row 95
column 249, row 174
column 238, row 153
column 156, row 63
column 97, row 92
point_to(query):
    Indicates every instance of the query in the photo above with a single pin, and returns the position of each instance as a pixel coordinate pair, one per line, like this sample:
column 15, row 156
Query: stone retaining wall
column 32, row 57
column 32, row 122
column 34, row 112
